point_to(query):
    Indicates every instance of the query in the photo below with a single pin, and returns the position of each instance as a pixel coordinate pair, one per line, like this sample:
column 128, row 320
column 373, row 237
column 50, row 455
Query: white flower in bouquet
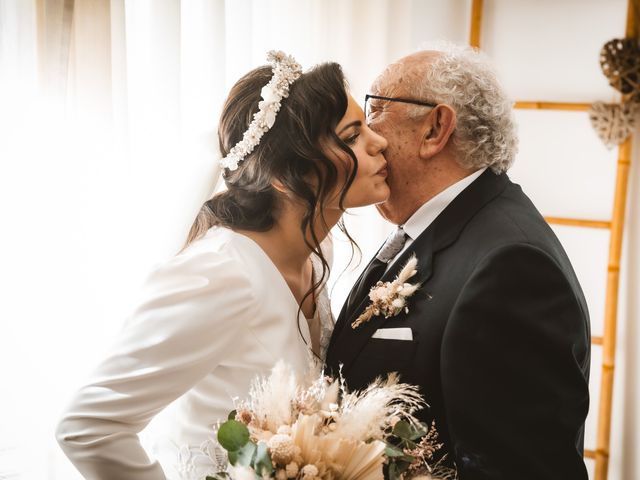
column 282, row 449
column 292, row 470
column 242, row 473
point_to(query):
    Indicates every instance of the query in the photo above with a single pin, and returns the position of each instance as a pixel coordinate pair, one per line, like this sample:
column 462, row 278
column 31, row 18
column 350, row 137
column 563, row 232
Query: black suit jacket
column 501, row 338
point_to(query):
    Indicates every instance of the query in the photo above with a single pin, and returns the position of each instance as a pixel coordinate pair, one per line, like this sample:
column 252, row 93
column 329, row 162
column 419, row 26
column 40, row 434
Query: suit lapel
column 347, row 306
column 347, row 342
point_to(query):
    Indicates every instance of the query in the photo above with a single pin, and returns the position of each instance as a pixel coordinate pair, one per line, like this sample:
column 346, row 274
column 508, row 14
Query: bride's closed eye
column 350, row 140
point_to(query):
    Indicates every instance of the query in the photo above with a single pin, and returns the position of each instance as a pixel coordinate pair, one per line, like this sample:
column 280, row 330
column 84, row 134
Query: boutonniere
column 390, row 298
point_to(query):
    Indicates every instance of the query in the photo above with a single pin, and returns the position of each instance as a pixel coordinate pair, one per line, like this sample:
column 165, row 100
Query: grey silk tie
column 377, row 267
column 392, row 246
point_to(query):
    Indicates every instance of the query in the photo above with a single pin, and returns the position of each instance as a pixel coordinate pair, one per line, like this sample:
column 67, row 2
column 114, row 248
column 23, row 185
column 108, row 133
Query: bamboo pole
column 633, row 10
column 611, row 312
column 576, row 222
column 613, row 278
column 476, row 23
column 530, row 105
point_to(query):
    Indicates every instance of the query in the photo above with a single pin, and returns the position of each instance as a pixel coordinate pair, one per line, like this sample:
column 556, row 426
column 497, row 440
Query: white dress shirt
column 429, row 211
column 209, row 320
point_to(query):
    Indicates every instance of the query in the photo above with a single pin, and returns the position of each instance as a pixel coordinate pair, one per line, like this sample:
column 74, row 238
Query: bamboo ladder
column 615, row 226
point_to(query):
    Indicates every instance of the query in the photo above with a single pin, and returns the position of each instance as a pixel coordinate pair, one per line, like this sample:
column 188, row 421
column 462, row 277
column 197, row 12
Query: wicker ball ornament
column 613, row 122
column 620, row 63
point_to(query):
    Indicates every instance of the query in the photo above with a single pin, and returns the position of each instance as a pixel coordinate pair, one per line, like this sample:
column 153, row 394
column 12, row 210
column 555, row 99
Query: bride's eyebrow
column 356, row 123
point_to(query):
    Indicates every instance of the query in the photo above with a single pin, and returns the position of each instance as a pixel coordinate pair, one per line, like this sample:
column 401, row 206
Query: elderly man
column 497, row 337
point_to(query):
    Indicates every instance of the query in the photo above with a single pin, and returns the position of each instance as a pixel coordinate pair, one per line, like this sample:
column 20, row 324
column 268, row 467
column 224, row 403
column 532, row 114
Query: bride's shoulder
column 216, row 240
column 216, row 257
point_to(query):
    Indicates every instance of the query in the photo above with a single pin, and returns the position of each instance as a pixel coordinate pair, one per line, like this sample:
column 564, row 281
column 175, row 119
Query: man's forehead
column 390, row 82
column 399, row 76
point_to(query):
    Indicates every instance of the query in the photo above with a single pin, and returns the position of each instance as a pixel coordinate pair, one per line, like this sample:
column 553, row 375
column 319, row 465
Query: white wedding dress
column 210, row 319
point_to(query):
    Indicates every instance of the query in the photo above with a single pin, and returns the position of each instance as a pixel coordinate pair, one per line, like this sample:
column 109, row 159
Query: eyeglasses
column 367, row 105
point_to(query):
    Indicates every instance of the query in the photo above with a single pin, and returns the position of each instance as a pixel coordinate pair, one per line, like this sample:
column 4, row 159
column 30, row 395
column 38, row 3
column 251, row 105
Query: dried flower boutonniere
column 390, row 298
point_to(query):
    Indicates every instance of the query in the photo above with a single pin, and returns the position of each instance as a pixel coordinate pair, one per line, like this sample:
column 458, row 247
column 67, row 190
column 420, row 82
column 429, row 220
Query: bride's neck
column 284, row 242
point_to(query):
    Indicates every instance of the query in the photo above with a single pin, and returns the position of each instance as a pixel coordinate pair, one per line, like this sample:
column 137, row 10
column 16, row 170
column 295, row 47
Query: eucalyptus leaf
column 402, row 429
column 408, row 431
column 392, row 451
column 233, row 435
column 262, row 463
column 407, row 459
column 393, row 472
column 419, row 431
column 401, row 467
column 408, row 444
column 218, row 476
column 246, row 454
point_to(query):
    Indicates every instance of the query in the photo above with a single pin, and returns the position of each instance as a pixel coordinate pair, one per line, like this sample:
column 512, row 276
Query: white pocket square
column 393, row 334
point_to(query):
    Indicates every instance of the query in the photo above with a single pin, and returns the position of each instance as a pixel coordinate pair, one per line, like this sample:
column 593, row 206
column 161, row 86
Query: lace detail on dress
column 323, row 309
column 189, row 462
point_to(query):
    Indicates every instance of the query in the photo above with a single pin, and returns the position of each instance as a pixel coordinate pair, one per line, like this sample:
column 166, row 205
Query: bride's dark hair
column 292, row 152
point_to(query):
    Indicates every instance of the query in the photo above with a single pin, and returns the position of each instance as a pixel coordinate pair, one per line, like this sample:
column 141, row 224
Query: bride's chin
column 377, row 193
column 377, row 199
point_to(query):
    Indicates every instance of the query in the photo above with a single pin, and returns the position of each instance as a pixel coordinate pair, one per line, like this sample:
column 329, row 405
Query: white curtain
column 107, row 149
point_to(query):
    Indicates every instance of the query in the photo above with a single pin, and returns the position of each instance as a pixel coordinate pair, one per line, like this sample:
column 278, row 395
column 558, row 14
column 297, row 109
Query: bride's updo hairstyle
column 291, row 153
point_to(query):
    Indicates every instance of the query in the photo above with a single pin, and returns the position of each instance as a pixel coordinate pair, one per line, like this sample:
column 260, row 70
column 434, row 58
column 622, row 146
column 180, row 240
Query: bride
column 248, row 287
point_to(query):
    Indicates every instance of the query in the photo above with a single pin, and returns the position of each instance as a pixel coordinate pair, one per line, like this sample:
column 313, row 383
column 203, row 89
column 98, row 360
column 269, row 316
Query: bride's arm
column 191, row 312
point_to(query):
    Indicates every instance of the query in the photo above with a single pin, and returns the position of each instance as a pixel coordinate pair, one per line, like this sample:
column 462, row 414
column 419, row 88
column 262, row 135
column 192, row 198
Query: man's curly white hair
column 463, row 78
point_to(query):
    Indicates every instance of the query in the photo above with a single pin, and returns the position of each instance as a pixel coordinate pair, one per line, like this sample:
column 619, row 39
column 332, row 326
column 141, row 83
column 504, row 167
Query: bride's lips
column 382, row 172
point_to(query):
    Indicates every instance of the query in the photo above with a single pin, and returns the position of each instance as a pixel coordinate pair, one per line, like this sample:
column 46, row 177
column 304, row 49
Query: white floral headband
column 285, row 71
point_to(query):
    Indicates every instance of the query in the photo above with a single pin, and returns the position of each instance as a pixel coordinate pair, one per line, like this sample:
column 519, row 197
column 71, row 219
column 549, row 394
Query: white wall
column 89, row 203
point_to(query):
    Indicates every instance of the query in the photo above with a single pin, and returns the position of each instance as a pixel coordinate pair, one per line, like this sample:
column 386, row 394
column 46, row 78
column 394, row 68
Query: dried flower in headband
column 285, row 71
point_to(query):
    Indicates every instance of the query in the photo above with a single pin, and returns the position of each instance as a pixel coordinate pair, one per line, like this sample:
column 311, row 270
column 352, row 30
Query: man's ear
column 438, row 126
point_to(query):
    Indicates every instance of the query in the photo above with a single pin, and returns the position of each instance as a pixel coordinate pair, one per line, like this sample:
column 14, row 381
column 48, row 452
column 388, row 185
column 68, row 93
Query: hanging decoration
column 620, row 63
column 613, row 122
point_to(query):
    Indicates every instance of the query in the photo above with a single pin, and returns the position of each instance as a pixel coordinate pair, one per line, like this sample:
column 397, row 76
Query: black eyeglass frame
column 396, row 99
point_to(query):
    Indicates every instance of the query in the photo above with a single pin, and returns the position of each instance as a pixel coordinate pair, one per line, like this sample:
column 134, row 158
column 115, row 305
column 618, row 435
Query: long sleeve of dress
column 192, row 311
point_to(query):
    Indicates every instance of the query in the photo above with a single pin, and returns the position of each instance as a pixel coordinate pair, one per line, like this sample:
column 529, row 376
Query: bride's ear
column 280, row 188
column 277, row 184
column 437, row 128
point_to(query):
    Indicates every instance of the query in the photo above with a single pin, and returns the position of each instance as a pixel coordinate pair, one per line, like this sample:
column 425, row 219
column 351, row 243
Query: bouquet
column 317, row 430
